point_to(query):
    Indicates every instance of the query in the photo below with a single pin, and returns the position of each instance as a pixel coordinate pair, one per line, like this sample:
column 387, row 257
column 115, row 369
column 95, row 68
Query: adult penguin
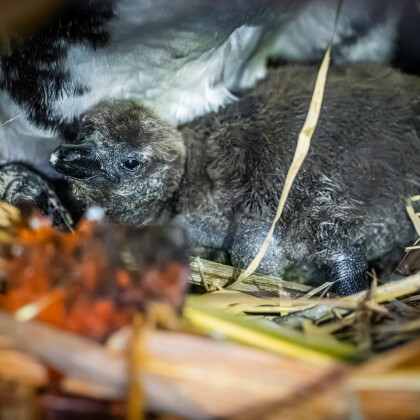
column 183, row 59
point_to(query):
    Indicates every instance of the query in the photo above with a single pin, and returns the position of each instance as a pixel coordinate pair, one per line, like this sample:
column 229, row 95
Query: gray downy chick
column 222, row 174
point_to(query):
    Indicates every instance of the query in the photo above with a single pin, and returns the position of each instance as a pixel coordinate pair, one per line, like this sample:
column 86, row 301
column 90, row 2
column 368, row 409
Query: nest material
column 307, row 334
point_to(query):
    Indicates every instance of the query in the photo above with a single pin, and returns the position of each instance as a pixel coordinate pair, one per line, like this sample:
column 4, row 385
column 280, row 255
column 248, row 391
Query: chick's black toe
column 348, row 271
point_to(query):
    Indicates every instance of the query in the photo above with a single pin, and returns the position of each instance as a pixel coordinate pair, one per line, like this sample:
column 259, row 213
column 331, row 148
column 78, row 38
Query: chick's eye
column 131, row 164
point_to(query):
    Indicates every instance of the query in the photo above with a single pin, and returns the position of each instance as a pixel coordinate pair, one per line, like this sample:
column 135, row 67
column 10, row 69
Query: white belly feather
column 181, row 68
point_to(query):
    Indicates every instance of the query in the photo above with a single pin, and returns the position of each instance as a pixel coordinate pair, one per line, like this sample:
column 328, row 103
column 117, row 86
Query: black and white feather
column 181, row 58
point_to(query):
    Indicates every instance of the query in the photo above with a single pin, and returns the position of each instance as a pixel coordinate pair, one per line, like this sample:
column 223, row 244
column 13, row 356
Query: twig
column 9, row 121
column 385, row 293
column 136, row 394
column 31, row 310
column 215, row 276
column 412, row 214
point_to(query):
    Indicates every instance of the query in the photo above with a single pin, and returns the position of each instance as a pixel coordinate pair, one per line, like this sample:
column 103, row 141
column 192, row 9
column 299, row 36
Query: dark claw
column 349, row 272
column 49, row 205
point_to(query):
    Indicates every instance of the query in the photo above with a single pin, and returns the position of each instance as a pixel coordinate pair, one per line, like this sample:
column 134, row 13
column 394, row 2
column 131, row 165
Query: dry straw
column 412, row 213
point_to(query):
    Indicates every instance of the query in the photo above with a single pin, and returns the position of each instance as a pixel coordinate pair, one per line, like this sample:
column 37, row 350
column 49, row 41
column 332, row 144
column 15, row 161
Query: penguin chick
column 222, row 174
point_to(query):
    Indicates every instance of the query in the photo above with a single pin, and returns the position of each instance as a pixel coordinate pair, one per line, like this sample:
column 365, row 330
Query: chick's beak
column 79, row 161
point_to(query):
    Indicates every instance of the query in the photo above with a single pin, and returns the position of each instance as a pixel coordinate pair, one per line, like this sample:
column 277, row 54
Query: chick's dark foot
column 349, row 272
column 20, row 185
